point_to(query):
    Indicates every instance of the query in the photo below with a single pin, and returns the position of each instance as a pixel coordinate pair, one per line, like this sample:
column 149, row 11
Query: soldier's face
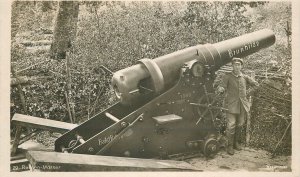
column 237, row 66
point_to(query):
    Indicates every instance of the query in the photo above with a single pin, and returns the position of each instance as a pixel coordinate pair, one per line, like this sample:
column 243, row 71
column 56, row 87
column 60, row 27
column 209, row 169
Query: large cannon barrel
column 160, row 73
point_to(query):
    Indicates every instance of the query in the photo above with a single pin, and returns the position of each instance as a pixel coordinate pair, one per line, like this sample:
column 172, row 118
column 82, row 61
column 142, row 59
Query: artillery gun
column 166, row 105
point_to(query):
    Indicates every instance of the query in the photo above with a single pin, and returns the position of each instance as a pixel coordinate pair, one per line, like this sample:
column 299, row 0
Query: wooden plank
column 16, row 140
column 26, row 80
column 248, row 124
column 19, row 162
column 41, row 123
column 55, row 161
column 17, row 157
column 167, row 118
column 19, row 165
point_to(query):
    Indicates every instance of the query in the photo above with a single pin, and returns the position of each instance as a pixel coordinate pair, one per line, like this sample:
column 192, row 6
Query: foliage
column 217, row 21
column 274, row 16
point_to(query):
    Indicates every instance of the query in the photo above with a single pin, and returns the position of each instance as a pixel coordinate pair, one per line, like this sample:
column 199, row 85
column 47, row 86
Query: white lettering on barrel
column 246, row 47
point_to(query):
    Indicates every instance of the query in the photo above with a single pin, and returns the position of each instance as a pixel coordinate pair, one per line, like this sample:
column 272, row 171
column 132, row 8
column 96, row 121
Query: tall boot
column 230, row 138
column 237, row 136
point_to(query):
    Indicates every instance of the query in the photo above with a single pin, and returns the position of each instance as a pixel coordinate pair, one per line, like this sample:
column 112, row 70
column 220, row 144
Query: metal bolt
column 146, row 140
column 212, row 147
column 141, row 118
column 123, row 124
column 190, row 144
column 127, row 153
column 91, row 149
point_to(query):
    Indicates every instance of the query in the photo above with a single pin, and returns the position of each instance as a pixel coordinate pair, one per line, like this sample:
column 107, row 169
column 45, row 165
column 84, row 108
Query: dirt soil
column 245, row 160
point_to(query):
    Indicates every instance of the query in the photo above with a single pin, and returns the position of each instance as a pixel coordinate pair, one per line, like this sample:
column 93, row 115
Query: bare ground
column 246, row 160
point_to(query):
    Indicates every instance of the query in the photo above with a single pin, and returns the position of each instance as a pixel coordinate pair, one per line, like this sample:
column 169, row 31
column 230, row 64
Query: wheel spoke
column 208, row 103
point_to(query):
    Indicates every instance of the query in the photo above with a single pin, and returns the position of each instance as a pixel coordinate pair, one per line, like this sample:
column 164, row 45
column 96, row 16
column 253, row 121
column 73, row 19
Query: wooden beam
column 19, row 165
column 36, row 43
column 41, row 123
column 167, row 119
column 23, row 103
column 19, row 161
column 16, row 140
column 55, row 161
column 248, row 124
column 26, row 80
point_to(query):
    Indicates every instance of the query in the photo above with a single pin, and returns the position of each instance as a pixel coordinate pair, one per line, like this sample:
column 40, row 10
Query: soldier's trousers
column 235, row 120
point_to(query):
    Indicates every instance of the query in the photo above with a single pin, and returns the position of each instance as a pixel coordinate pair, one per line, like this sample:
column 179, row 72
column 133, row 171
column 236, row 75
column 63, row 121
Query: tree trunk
column 14, row 20
column 65, row 29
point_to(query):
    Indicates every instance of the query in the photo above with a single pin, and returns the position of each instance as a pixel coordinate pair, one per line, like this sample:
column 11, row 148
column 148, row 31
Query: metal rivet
column 123, row 124
column 91, row 149
column 127, row 153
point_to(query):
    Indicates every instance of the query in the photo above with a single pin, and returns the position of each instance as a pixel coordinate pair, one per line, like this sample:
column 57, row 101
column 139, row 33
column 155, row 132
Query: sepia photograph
column 148, row 86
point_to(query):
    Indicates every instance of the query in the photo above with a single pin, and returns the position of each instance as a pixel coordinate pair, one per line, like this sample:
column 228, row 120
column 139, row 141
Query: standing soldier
column 234, row 84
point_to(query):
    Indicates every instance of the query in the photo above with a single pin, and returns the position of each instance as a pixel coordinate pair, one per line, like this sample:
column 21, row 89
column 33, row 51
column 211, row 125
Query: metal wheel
column 210, row 147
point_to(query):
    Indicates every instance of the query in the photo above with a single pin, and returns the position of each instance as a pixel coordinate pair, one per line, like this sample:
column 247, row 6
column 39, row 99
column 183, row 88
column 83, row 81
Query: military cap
column 237, row 60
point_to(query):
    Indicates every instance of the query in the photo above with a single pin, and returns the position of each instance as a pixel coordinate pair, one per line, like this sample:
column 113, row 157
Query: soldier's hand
column 221, row 90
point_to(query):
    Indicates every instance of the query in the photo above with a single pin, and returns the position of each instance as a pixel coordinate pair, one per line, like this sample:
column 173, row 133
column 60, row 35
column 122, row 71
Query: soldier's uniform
column 235, row 99
column 237, row 103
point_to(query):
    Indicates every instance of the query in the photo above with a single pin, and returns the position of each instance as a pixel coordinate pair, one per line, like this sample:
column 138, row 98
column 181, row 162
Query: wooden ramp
column 41, row 123
column 20, row 120
column 54, row 161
